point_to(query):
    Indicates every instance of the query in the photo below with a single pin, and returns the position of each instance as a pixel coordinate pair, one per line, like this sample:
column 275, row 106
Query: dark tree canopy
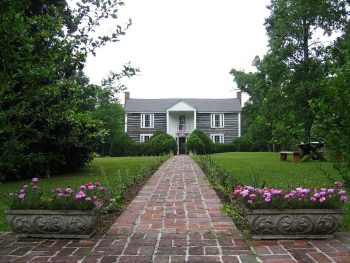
column 46, row 103
column 300, row 90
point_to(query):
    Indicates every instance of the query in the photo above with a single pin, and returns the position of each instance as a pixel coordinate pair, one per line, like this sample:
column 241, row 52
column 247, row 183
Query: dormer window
column 147, row 120
column 217, row 120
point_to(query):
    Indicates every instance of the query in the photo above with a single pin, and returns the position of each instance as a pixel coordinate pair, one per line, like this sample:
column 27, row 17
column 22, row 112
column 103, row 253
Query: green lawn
column 267, row 167
column 108, row 171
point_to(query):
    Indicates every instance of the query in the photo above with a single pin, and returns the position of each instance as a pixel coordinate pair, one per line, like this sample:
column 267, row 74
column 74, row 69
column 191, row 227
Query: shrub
column 224, row 147
column 243, row 144
column 161, row 143
column 208, row 143
column 121, row 145
column 200, row 143
column 195, row 144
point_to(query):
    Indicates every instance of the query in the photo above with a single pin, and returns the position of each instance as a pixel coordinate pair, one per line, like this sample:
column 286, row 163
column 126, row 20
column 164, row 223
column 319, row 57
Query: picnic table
column 311, row 151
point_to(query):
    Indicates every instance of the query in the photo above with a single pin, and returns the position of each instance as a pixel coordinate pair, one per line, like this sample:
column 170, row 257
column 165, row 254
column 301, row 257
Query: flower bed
column 294, row 213
column 63, row 213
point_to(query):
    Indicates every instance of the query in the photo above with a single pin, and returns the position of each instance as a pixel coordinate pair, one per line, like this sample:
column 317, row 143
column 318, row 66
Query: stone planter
column 53, row 223
column 293, row 223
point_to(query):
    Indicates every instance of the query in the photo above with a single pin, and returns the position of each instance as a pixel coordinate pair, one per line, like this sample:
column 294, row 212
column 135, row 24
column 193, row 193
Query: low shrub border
column 127, row 191
column 307, row 208
column 223, row 183
column 118, row 197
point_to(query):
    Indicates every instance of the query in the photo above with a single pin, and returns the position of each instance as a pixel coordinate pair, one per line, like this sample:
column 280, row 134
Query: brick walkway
column 175, row 218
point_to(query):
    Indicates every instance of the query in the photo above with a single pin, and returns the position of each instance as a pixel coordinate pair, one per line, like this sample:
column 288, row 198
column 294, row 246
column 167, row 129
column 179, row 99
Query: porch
column 181, row 121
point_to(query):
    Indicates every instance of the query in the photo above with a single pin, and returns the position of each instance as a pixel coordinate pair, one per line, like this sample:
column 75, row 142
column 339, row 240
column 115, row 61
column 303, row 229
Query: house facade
column 220, row 119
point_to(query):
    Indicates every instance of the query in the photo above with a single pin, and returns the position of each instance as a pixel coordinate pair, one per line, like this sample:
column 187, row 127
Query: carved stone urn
column 53, row 223
column 293, row 223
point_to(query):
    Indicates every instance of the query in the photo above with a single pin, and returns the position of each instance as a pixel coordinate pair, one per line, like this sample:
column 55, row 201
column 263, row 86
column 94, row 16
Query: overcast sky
column 185, row 48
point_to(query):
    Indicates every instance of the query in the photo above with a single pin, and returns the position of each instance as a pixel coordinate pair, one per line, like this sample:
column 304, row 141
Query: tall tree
column 288, row 77
column 45, row 125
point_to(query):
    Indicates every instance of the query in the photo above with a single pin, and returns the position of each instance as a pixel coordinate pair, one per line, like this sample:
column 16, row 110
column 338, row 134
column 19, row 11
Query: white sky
column 184, row 48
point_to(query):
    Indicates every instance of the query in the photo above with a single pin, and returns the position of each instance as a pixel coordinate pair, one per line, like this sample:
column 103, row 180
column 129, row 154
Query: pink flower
column 252, row 196
column 21, row 191
column 98, row 184
column 91, row 187
column 286, row 197
column 316, row 195
column 343, row 198
column 276, row 192
column 102, row 188
column 80, row 195
column 35, row 180
column 244, row 193
column 250, row 201
column 82, row 187
column 88, row 198
column 342, row 192
column 268, row 199
column 313, row 199
column 68, row 190
column 35, row 187
column 322, row 193
column 339, row 184
column 21, row 196
column 322, row 199
column 235, row 193
column 58, row 190
column 330, row 191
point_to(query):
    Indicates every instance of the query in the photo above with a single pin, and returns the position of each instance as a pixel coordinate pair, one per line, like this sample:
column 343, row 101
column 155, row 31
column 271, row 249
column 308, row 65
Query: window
column 147, row 120
column 217, row 120
column 217, row 138
column 145, row 137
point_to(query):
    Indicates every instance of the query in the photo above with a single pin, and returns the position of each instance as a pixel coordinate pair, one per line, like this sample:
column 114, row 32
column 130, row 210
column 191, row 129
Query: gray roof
column 202, row 105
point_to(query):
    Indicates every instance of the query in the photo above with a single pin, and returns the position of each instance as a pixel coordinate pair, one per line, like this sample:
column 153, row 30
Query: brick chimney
column 239, row 97
column 126, row 96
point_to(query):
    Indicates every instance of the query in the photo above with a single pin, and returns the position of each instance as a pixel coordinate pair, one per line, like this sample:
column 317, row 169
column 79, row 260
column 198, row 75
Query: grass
column 250, row 167
column 110, row 171
column 257, row 168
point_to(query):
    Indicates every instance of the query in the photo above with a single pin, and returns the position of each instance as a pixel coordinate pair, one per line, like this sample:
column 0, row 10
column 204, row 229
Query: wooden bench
column 284, row 154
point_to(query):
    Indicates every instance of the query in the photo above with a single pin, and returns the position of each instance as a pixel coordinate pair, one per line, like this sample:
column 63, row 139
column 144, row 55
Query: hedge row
column 163, row 143
column 160, row 143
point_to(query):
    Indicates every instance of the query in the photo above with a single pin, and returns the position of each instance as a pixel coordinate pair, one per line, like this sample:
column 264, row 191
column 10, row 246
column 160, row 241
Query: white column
column 126, row 123
column 167, row 122
column 239, row 124
column 194, row 119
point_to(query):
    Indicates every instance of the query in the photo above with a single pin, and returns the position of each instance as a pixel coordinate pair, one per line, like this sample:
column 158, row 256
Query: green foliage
column 200, row 143
column 222, row 181
column 121, row 145
column 244, row 144
column 46, row 125
column 289, row 77
column 111, row 172
column 224, row 147
column 161, row 143
column 332, row 109
column 195, row 145
column 60, row 199
column 267, row 168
